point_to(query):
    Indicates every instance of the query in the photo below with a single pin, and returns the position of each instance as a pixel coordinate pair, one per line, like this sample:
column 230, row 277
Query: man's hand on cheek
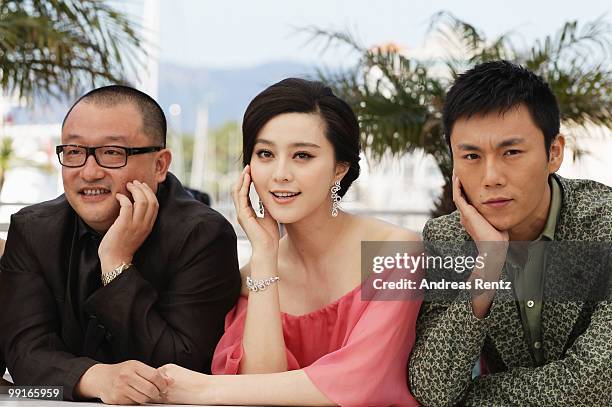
column 131, row 228
column 492, row 244
column 474, row 223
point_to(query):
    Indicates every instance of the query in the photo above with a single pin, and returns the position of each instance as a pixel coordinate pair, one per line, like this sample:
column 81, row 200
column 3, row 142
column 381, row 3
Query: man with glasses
column 121, row 274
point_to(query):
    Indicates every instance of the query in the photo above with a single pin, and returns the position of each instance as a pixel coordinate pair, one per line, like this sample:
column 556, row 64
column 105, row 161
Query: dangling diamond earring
column 335, row 198
column 261, row 207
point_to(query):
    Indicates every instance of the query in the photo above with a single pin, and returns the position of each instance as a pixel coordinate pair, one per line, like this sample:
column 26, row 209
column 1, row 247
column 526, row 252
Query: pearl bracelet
column 260, row 285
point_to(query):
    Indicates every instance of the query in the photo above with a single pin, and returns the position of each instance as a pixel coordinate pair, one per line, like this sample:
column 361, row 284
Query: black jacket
column 168, row 308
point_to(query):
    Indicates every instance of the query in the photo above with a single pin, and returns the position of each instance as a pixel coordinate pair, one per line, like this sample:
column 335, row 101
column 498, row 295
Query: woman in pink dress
column 301, row 333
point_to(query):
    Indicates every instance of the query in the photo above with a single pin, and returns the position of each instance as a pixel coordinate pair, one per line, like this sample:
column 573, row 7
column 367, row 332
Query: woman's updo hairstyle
column 295, row 95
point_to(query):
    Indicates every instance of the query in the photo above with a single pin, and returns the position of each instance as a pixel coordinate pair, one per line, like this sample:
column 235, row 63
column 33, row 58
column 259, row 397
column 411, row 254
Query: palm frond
column 330, row 39
column 399, row 100
column 58, row 48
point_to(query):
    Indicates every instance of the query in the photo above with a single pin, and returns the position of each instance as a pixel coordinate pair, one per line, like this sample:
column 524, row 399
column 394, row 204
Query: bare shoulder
column 399, row 234
column 379, row 230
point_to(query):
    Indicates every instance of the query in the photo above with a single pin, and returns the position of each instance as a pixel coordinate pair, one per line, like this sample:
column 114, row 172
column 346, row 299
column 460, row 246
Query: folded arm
column 582, row 377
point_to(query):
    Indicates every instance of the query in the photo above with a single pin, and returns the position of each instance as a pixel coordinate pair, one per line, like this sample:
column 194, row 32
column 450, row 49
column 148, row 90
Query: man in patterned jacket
column 548, row 340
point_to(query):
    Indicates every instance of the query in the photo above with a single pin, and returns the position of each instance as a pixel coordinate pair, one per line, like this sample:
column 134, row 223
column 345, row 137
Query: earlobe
column 341, row 170
column 557, row 148
column 162, row 164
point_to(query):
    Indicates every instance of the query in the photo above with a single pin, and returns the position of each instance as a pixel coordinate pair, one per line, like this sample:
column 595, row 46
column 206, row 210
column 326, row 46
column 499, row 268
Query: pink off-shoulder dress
column 354, row 351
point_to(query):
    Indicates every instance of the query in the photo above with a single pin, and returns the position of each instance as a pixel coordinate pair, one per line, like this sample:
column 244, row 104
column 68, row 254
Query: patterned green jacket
column 577, row 334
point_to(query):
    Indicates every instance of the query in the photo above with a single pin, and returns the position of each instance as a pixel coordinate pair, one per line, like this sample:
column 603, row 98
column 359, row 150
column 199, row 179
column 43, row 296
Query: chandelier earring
column 335, row 198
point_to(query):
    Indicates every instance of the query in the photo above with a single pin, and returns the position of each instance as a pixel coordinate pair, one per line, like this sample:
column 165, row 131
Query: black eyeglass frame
column 92, row 151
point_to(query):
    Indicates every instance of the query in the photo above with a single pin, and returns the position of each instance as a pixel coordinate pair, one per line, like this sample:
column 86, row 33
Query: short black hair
column 153, row 118
column 294, row 95
column 497, row 87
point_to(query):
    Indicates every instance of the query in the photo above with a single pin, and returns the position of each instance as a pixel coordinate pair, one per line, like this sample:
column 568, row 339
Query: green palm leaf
column 399, row 100
column 57, row 48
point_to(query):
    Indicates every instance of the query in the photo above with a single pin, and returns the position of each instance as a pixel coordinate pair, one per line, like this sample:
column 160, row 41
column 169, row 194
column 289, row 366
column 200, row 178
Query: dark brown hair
column 295, row 95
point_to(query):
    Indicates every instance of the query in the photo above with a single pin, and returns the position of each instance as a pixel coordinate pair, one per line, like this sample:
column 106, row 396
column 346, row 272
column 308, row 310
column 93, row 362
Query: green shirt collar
column 553, row 211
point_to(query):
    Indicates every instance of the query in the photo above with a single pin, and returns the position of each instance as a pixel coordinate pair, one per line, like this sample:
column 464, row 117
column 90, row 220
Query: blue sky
column 231, row 33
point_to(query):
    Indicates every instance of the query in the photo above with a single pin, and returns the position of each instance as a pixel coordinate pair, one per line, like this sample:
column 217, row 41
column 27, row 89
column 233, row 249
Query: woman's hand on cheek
column 263, row 232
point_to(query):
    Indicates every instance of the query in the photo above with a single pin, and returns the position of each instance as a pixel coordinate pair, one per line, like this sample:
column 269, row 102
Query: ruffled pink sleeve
column 229, row 350
column 370, row 369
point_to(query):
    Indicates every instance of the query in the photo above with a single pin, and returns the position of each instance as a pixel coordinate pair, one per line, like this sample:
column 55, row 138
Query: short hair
column 153, row 118
column 294, row 95
column 497, row 87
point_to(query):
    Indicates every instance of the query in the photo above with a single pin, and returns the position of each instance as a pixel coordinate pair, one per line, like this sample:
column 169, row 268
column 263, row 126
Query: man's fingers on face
column 151, row 202
column 125, row 205
column 462, row 204
column 457, row 198
column 147, row 192
column 136, row 189
column 147, row 187
column 141, row 202
column 454, row 182
column 150, row 195
column 123, row 200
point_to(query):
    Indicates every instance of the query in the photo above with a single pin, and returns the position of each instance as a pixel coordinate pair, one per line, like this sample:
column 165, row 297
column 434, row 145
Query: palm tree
column 399, row 100
column 59, row 47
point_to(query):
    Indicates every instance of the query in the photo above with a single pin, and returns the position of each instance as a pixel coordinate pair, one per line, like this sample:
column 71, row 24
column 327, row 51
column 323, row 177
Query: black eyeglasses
column 74, row 156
